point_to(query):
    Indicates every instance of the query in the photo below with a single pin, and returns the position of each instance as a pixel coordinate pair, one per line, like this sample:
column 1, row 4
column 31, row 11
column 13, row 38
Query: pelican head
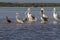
column 42, row 8
column 42, row 11
column 16, row 13
column 54, row 10
column 28, row 8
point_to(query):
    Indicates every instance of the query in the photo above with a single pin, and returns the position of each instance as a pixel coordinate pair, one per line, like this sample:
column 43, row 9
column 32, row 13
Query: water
column 28, row 31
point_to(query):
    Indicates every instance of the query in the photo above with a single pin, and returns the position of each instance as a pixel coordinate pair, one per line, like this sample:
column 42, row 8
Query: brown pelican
column 20, row 21
column 30, row 16
column 8, row 20
column 44, row 18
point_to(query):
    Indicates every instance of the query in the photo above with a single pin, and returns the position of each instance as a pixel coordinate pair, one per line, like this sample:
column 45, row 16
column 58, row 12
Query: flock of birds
column 29, row 17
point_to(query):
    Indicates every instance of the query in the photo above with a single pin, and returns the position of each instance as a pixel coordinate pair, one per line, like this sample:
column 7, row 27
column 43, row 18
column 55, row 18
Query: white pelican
column 55, row 15
column 44, row 18
column 30, row 16
column 8, row 20
column 20, row 21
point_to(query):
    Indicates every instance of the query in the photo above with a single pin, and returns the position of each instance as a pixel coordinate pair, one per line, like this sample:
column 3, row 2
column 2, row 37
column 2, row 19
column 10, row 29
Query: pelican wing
column 19, row 21
column 45, row 16
column 33, row 17
column 25, row 19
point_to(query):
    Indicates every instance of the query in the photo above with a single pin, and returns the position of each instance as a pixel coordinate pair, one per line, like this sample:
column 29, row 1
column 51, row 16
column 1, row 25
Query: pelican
column 8, row 20
column 20, row 21
column 30, row 16
column 44, row 18
column 55, row 15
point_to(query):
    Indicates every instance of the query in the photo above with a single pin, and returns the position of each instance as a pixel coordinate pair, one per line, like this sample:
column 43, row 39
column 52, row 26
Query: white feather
column 30, row 16
column 19, row 21
column 55, row 15
column 43, row 14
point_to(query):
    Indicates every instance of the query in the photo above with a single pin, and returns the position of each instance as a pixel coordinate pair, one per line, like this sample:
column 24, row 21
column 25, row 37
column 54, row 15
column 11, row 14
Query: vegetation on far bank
column 2, row 4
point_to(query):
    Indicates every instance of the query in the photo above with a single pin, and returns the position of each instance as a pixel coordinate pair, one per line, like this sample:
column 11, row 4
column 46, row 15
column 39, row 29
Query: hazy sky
column 32, row 1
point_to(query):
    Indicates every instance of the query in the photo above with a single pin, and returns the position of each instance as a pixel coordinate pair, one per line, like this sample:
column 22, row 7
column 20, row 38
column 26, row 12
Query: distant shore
column 2, row 4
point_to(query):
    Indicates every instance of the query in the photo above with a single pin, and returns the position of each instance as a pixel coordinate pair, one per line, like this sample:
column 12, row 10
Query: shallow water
column 28, row 31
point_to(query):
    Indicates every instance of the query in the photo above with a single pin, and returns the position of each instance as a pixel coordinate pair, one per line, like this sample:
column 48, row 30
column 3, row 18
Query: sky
column 31, row 1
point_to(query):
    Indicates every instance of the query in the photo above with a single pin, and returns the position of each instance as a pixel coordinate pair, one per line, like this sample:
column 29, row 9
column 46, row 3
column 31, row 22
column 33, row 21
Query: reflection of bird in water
column 55, row 15
column 30, row 16
column 8, row 20
column 55, row 22
column 20, row 21
column 44, row 18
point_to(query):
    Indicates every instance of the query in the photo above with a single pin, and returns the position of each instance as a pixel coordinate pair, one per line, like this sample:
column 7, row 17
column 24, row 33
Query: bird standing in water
column 8, row 20
column 55, row 15
column 44, row 18
column 30, row 16
column 19, row 20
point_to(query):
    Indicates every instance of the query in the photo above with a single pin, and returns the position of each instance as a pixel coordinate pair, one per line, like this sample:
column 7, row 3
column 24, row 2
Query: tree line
column 2, row 4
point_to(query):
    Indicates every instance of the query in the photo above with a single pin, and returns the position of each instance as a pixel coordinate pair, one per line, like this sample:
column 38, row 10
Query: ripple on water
column 29, row 31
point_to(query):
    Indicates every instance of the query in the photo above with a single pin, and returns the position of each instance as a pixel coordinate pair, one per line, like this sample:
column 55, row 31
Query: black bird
column 8, row 20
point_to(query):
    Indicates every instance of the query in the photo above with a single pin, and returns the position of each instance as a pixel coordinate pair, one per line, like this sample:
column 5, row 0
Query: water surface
column 28, row 31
